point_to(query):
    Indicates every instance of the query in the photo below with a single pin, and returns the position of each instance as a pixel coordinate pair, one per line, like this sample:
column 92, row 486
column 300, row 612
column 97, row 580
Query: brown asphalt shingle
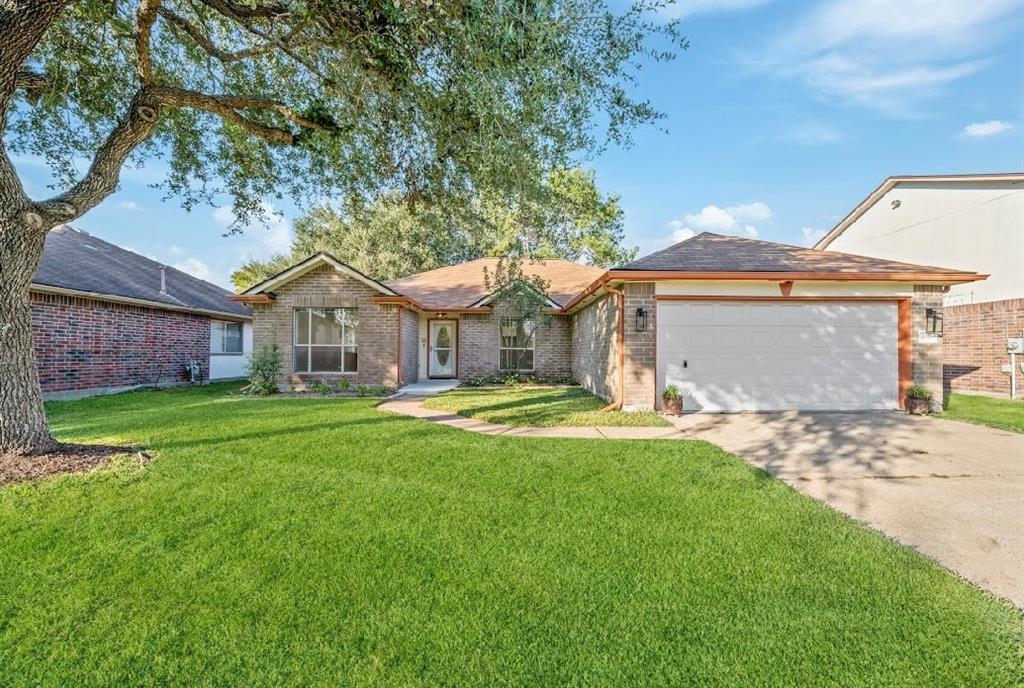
column 709, row 252
column 460, row 286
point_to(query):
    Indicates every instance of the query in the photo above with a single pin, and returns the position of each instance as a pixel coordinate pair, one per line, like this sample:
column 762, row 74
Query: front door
column 442, row 345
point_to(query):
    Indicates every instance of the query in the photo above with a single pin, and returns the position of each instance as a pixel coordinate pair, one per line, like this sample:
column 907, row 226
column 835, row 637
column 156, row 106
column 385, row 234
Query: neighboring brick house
column 973, row 222
column 107, row 319
column 735, row 324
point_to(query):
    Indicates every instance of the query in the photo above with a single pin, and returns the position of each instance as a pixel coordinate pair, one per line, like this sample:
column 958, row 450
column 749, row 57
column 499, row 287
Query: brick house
column 974, row 222
column 107, row 319
column 735, row 324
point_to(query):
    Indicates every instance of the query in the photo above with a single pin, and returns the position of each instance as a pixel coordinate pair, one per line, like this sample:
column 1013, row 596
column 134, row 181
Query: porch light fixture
column 933, row 321
column 641, row 319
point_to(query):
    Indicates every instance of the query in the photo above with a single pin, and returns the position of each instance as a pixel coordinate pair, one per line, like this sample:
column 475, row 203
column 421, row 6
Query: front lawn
column 547, row 407
column 1005, row 414
column 289, row 542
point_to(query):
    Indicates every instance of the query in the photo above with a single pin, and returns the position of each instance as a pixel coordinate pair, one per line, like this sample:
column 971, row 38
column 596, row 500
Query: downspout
column 620, row 342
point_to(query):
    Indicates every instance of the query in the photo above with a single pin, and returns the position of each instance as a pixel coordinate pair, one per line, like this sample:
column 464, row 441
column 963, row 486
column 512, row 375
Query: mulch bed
column 68, row 458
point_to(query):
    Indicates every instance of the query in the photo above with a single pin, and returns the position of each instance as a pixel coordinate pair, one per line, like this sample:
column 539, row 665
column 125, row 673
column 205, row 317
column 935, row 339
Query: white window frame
column 223, row 325
column 308, row 311
column 502, row 348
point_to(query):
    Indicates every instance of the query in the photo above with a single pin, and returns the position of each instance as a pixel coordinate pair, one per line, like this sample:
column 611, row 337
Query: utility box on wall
column 1015, row 345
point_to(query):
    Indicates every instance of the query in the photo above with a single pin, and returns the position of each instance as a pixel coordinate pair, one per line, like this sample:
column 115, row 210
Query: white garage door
column 772, row 356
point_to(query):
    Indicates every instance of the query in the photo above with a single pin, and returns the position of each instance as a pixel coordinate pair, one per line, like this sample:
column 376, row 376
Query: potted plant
column 919, row 400
column 672, row 400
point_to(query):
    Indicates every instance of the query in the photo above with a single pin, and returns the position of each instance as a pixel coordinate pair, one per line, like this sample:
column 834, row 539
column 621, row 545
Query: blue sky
column 780, row 118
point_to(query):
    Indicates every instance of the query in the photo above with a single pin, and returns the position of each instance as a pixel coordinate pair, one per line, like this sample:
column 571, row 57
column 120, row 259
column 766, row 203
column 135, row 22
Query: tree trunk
column 23, row 427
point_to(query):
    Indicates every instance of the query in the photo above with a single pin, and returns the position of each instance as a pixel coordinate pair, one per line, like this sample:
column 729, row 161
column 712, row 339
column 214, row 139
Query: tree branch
column 261, row 10
column 144, row 18
column 102, row 178
column 204, row 42
column 227, row 106
column 33, row 83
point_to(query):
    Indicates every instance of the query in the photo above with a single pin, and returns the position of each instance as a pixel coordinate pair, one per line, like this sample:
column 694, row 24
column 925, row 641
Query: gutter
column 114, row 298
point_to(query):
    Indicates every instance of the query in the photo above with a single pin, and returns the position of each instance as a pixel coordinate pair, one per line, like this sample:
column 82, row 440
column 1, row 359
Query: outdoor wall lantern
column 933, row 321
column 641, row 319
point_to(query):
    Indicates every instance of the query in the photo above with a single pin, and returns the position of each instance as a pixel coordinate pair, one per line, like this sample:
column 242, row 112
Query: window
column 325, row 340
column 225, row 337
column 516, row 349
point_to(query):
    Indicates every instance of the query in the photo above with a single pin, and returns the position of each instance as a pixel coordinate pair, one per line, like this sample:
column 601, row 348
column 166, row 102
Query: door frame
column 456, row 346
column 904, row 338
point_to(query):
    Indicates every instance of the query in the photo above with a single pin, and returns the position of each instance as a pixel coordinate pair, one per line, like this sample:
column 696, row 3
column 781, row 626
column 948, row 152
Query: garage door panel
column 764, row 356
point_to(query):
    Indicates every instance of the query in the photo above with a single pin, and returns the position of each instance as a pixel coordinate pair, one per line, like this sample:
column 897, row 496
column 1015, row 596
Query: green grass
column 546, row 407
column 322, row 542
column 1005, row 414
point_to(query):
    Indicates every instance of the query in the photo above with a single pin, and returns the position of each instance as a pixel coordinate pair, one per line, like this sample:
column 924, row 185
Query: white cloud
column 891, row 56
column 264, row 237
column 989, row 128
column 733, row 219
column 812, row 236
column 194, row 267
column 175, row 250
column 680, row 9
column 680, row 232
column 129, row 205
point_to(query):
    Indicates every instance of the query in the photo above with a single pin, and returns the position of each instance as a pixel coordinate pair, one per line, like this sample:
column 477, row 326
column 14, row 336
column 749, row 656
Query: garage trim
column 903, row 314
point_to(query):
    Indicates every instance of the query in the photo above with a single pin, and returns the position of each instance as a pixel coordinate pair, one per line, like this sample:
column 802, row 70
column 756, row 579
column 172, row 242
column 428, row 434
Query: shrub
column 263, row 367
column 512, row 380
column 671, row 393
column 919, row 392
column 371, row 390
column 343, row 384
column 319, row 386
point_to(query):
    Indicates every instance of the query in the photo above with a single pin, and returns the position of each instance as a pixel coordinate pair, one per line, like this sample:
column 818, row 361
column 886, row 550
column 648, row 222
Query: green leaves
column 422, row 99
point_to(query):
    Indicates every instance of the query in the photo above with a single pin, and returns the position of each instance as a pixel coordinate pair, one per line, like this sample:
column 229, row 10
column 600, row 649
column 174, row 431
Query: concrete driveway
column 953, row 491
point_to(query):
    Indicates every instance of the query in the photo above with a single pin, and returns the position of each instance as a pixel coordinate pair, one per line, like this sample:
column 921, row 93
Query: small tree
column 264, row 367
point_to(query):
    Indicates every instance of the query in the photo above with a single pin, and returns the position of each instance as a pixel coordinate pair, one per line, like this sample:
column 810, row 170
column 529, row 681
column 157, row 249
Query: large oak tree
column 255, row 99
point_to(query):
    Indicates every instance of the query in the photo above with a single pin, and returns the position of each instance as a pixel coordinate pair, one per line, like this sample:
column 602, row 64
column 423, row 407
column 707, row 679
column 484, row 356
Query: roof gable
column 892, row 182
column 309, row 264
column 74, row 261
column 714, row 253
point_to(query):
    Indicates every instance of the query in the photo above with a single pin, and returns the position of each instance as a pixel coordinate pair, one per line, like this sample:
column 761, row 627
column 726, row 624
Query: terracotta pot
column 673, row 406
column 921, row 407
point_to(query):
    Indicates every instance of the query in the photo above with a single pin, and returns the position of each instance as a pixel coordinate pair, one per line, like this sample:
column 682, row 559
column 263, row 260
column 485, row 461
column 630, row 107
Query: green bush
column 919, row 392
column 263, row 367
column 319, row 386
column 343, row 384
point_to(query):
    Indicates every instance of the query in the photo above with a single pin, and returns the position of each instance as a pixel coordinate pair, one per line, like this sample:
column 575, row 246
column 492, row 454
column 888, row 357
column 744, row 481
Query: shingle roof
column 461, row 286
column 75, row 260
column 709, row 252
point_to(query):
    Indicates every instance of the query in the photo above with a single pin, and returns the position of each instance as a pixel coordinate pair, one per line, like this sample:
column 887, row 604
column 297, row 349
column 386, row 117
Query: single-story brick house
column 106, row 319
column 736, row 324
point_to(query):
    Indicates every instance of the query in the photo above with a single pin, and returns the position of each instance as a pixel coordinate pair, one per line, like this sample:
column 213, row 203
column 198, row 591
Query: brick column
column 640, row 373
column 926, row 353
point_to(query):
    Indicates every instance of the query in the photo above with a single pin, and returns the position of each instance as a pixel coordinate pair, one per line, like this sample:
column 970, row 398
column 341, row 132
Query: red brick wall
column 974, row 345
column 82, row 344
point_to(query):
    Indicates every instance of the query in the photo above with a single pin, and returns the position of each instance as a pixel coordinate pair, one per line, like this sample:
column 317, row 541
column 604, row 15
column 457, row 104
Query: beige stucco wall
column 975, row 226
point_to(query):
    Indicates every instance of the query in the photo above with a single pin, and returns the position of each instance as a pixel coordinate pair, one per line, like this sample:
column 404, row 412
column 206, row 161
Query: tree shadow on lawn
column 531, row 403
column 277, row 433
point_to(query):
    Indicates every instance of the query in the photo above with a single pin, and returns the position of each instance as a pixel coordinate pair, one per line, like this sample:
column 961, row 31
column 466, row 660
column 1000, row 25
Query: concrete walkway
column 953, row 491
column 412, row 405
